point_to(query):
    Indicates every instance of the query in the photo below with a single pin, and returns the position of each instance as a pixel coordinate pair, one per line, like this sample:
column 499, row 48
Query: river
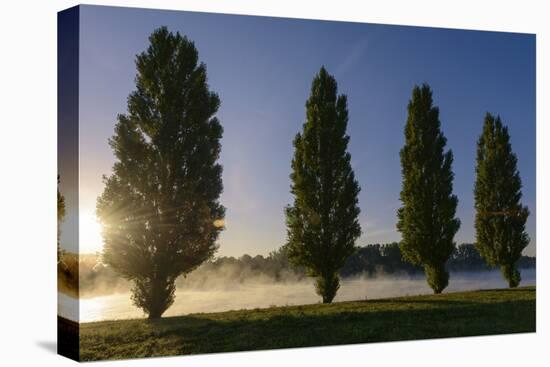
column 252, row 294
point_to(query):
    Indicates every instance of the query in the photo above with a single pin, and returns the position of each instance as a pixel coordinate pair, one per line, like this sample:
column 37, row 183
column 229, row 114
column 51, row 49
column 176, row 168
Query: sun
column 90, row 233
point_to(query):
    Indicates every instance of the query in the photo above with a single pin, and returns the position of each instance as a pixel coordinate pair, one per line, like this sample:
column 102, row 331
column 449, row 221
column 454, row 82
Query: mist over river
column 260, row 294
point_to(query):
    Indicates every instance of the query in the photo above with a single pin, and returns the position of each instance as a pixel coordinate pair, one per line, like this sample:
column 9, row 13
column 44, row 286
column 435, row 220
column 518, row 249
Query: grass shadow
column 274, row 329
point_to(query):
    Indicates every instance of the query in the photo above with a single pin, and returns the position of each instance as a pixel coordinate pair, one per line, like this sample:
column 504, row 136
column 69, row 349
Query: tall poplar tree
column 426, row 219
column 160, row 209
column 500, row 216
column 322, row 223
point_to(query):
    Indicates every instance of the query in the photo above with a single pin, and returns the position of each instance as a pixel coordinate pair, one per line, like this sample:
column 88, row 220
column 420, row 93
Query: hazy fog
column 223, row 293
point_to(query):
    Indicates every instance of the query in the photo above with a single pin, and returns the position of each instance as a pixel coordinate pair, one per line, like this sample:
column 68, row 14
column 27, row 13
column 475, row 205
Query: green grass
column 419, row 317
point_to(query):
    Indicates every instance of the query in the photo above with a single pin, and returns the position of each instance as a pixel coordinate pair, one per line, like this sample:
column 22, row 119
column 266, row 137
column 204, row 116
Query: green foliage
column 500, row 216
column 60, row 218
column 426, row 219
column 437, row 276
column 322, row 223
column 327, row 286
column 467, row 258
column 160, row 209
column 378, row 259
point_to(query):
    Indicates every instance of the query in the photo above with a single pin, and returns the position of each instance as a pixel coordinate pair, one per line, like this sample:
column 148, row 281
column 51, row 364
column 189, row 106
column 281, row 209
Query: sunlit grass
column 404, row 318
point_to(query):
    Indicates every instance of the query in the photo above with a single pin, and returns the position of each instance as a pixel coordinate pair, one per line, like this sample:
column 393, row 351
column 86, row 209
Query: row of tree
column 387, row 259
column 160, row 209
column 323, row 220
column 372, row 260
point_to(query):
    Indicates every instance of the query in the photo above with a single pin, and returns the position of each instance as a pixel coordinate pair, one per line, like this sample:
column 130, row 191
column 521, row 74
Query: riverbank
column 419, row 317
column 221, row 296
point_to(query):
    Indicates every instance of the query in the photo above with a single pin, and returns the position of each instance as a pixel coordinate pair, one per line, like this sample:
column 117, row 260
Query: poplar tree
column 160, row 208
column 322, row 223
column 426, row 218
column 500, row 216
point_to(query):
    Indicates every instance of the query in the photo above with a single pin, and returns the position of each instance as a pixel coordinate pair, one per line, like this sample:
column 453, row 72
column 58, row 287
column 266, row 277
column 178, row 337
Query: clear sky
column 262, row 70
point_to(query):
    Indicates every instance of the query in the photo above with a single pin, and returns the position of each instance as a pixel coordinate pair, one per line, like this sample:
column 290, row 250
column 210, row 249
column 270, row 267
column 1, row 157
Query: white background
column 28, row 300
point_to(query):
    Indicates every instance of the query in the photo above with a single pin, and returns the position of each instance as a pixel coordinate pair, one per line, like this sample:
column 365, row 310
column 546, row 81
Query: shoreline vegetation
column 487, row 312
column 370, row 261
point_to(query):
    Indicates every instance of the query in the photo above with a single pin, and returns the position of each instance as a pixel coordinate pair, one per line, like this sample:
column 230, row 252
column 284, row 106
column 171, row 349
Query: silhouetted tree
column 466, row 258
column 500, row 216
column 467, row 254
column 60, row 217
column 366, row 260
column 393, row 261
column 426, row 219
column 322, row 224
column 160, row 209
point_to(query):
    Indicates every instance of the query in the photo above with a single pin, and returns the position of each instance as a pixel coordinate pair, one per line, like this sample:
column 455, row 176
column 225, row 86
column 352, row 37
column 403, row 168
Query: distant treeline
column 379, row 259
column 370, row 261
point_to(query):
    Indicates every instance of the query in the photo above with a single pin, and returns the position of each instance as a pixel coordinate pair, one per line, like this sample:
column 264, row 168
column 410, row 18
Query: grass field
column 419, row 317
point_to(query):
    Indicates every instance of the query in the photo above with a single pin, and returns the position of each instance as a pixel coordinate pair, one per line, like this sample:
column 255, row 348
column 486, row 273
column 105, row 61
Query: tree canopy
column 160, row 208
column 426, row 218
column 500, row 216
column 322, row 223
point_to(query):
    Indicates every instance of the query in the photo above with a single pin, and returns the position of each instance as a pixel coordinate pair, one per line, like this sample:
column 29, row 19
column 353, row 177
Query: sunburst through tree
column 160, row 209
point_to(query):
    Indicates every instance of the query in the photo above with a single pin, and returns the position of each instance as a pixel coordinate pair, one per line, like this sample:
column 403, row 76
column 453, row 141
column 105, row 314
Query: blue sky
column 262, row 70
